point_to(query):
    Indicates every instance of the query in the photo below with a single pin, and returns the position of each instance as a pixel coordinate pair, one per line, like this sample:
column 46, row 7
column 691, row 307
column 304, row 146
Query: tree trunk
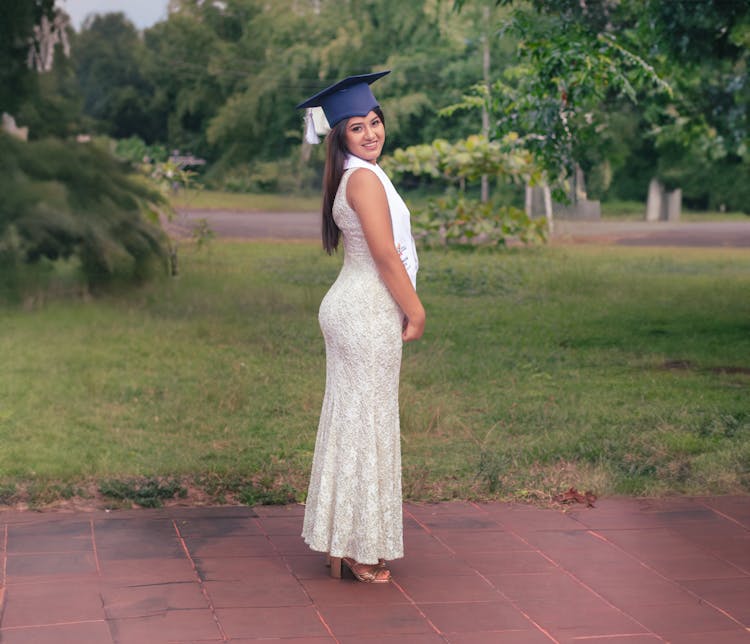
column 485, row 113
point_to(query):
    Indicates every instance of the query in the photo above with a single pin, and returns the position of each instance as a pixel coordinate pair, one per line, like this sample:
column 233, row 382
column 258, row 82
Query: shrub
column 61, row 200
column 457, row 221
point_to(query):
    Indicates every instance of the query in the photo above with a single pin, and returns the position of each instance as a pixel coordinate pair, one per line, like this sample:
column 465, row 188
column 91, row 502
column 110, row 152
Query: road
column 306, row 225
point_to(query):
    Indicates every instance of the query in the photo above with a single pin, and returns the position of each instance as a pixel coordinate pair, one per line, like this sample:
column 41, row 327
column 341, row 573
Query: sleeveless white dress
column 353, row 504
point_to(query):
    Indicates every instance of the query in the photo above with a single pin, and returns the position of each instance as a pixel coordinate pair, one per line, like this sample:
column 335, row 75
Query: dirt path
column 306, row 225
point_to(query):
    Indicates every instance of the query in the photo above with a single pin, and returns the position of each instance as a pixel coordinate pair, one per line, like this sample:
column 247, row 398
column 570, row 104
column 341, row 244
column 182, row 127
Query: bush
column 62, row 200
column 453, row 220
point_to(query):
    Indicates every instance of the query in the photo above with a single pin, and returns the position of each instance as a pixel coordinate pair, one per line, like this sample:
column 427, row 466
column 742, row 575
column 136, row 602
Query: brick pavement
column 630, row 571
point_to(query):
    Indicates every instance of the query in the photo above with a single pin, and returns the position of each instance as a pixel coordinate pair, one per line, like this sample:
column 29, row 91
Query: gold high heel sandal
column 381, row 562
column 367, row 573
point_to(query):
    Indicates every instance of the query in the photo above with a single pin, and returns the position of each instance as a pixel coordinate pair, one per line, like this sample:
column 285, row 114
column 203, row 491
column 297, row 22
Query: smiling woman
column 142, row 13
column 353, row 511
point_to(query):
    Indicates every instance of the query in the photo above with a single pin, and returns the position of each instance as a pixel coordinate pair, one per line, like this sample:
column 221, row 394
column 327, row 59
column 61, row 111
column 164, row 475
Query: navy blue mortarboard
column 349, row 97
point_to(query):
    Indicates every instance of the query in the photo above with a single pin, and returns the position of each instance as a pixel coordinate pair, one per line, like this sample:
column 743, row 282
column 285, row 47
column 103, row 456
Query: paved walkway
column 628, row 571
column 306, row 225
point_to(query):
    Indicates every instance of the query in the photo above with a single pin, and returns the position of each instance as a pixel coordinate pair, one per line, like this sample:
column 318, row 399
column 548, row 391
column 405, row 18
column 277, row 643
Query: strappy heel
column 367, row 573
column 381, row 562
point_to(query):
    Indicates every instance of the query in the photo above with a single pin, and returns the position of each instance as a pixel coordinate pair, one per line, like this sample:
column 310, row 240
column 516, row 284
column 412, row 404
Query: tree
column 17, row 21
column 178, row 63
column 581, row 63
column 108, row 55
column 61, row 200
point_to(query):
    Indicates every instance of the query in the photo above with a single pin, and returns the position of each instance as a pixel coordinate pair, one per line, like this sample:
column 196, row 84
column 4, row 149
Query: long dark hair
column 336, row 152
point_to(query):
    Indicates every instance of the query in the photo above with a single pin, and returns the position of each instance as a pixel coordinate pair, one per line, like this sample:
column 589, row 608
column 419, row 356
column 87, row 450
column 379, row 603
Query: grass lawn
column 619, row 370
column 246, row 202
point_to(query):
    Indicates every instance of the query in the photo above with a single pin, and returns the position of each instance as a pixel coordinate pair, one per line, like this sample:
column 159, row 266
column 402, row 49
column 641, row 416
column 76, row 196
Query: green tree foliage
column 580, row 63
column 109, row 59
column 454, row 219
column 60, row 200
column 17, row 20
column 701, row 138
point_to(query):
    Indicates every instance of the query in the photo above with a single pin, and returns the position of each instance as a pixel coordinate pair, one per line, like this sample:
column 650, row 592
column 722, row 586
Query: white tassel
column 310, row 135
column 321, row 122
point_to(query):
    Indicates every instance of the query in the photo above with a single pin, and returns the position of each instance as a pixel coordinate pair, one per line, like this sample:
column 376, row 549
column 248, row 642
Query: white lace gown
column 354, row 499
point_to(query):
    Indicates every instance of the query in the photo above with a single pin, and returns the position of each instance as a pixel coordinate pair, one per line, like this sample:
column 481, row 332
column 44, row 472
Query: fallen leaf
column 574, row 496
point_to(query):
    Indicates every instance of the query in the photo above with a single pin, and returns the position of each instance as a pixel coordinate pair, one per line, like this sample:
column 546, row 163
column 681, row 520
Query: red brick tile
column 211, row 527
column 142, row 548
column 257, row 592
column 461, row 588
column 292, row 510
column 84, row 633
column 27, row 544
column 735, row 507
column 461, row 541
column 419, row 543
column 731, row 595
column 459, row 522
column 381, row 619
column 113, row 531
column 156, row 599
column 738, row 636
column 346, row 592
column 504, row 637
column 614, row 639
column 646, row 545
column 545, row 586
column 282, row 525
column 277, row 622
column 210, row 512
column 291, row 545
column 50, row 603
column 675, row 619
column 428, row 566
column 411, row 638
column 131, row 572
column 238, row 546
column 34, row 566
column 527, row 519
column 524, row 561
column 644, row 588
column 579, row 617
column 62, row 528
column 240, row 568
column 704, row 567
column 462, row 508
column 308, row 567
column 470, row 617
column 172, row 626
column 286, row 640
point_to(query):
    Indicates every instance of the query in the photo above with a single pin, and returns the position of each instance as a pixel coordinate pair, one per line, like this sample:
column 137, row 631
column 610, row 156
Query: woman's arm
column 367, row 197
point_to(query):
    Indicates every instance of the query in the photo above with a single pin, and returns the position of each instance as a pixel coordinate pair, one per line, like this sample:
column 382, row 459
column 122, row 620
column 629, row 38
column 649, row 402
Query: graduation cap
column 349, row 97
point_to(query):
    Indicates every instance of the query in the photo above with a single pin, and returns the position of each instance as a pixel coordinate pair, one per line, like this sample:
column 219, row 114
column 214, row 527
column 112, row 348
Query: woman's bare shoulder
column 364, row 182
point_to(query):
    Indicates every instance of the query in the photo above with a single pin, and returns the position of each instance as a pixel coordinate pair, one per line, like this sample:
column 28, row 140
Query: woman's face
column 365, row 136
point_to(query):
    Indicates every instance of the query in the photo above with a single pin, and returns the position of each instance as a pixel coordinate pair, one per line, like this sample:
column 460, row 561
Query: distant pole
column 485, row 112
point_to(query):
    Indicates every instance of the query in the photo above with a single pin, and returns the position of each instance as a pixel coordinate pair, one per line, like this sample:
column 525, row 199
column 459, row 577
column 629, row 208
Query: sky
column 143, row 13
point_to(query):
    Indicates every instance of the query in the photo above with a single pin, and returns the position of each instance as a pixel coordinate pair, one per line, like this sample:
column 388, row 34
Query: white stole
column 400, row 221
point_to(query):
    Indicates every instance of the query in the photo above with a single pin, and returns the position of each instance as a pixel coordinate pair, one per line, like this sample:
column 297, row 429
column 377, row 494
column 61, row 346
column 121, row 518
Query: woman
column 353, row 510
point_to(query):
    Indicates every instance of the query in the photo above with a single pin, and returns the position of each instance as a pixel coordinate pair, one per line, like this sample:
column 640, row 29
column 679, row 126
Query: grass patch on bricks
column 618, row 370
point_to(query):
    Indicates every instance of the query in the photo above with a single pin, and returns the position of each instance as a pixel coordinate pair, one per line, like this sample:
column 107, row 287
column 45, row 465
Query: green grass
column 618, row 370
column 246, row 202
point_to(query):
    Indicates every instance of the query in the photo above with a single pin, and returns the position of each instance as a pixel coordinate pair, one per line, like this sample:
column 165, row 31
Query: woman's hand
column 413, row 328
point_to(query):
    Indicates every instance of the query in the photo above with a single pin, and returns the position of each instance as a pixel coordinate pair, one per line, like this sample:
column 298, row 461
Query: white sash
column 400, row 221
